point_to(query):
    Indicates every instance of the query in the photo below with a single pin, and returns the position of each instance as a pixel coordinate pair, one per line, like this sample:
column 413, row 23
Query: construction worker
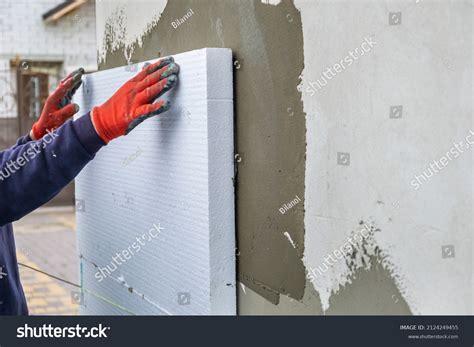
column 40, row 164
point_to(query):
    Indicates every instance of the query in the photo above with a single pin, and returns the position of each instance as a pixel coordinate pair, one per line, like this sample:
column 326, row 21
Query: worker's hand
column 133, row 102
column 58, row 107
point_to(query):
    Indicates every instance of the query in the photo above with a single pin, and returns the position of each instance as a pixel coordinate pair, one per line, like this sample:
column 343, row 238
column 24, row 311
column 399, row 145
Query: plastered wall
column 343, row 113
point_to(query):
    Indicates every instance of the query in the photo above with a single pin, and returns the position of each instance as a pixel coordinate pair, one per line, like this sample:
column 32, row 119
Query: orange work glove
column 133, row 102
column 58, row 107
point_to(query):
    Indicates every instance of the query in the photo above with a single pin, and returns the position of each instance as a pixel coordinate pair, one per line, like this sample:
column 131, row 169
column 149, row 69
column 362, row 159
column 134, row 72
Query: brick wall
column 23, row 33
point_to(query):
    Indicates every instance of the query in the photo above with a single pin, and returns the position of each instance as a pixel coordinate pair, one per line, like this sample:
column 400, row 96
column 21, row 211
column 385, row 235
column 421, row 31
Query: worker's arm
column 33, row 173
column 57, row 108
column 22, row 140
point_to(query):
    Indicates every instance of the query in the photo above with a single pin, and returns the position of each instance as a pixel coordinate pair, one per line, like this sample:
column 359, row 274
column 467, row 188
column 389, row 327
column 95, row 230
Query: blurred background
column 41, row 41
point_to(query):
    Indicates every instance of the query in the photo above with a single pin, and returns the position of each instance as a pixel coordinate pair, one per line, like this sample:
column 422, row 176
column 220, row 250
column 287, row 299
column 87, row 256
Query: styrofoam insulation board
column 174, row 171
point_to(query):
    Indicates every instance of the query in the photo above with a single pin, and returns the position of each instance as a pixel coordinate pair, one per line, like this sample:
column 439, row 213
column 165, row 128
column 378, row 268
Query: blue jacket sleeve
column 33, row 173
column 22, row 140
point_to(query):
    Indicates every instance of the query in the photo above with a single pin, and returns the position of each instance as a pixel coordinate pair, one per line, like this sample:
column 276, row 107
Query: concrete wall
column 353, row 123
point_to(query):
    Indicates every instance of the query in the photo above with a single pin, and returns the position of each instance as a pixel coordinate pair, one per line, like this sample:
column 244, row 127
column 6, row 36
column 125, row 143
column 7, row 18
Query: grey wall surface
column 347, row 140
column 269, row 143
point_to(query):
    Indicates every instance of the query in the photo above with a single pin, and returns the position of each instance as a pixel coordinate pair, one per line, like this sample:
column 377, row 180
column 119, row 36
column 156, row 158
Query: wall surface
column 352, row 197
column 422, row 66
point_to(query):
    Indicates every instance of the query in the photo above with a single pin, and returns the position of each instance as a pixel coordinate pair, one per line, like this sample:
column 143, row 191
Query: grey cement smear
column 270, row 141
column 370, row 289
column 380, row 297
column 267, row 42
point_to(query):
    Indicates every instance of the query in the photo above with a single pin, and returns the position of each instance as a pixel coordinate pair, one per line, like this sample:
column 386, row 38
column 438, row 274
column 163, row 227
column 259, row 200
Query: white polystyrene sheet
column 157, row 206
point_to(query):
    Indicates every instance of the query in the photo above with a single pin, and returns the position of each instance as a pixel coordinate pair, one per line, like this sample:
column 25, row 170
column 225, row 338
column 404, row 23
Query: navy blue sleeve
column 22, row 140
column 33, row 173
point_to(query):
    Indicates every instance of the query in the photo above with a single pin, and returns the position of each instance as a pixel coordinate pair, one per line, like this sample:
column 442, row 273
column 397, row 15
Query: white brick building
column 40, row 42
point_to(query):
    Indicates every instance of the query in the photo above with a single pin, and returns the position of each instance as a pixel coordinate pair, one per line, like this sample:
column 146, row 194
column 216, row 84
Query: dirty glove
column 133, row 102
column 58, row 107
